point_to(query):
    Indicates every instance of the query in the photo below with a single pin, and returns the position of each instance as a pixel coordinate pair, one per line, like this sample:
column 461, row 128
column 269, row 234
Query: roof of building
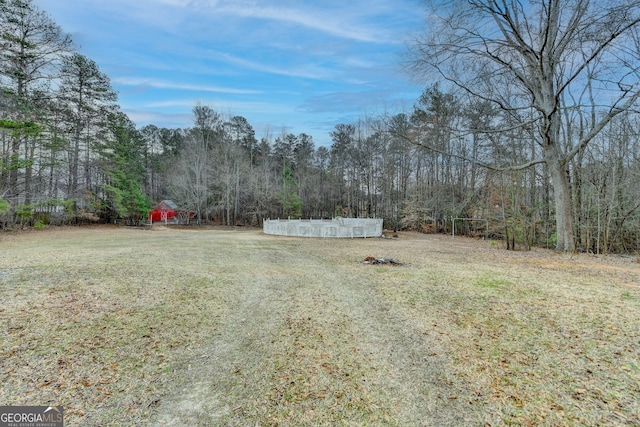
column 166, row 204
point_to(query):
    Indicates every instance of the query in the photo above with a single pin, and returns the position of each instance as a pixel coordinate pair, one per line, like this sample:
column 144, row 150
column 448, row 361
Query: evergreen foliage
column 123, row 163
column 291, row 202
column 67, row 150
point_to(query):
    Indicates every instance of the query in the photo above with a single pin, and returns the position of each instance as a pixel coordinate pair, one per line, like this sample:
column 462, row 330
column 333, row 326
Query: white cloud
column 309, row 71
column 316, row 19
column 177, row 3
column 177, row 120
column 163, row 84
column 334, row 19
column 224, row 106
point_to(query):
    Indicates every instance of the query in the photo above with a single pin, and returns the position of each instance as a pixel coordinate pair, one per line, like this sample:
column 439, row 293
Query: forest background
column 69, row 155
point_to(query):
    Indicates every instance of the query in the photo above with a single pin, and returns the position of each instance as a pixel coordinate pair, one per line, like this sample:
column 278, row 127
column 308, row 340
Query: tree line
column 514, row 144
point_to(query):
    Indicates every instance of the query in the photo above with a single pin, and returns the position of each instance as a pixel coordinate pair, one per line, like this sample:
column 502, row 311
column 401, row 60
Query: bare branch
column 615, row 110
column 495, row 168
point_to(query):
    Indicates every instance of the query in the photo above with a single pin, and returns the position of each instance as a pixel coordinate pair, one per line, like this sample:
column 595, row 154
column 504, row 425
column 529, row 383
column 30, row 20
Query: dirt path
column 302, row 348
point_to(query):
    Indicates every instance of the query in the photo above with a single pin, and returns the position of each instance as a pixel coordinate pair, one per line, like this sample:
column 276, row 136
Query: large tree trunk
column 562, row 198
column 30, row 148
column 14, row 169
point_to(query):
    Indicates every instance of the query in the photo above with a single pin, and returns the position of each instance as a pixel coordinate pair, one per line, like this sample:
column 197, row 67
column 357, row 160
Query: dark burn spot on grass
column 381, row 261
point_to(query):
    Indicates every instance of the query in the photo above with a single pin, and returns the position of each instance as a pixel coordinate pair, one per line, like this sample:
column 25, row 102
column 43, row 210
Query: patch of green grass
column 631, row 296
column 491, row 282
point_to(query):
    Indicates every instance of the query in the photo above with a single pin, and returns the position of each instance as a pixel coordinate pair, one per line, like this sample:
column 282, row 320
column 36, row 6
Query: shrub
column 39, row 225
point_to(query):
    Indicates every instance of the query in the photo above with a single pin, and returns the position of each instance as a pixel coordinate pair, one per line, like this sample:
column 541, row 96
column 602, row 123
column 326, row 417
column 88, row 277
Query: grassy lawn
column 127, row 326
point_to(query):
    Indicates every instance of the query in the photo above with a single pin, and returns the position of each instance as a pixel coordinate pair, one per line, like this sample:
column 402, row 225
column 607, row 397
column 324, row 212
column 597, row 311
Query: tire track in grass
column 311, row 343
column 213, row 387
column 412, row 363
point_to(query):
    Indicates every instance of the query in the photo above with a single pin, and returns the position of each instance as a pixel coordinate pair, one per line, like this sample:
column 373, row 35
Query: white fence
column 333, row 228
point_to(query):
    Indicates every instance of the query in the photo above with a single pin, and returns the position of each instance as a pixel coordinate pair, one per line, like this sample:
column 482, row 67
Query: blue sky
column 305, row 65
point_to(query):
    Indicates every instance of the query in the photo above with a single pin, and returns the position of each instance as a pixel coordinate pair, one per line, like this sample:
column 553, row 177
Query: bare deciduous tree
column 539, row 52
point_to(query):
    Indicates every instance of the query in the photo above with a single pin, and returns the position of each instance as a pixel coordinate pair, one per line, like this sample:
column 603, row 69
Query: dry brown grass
column 232, row 327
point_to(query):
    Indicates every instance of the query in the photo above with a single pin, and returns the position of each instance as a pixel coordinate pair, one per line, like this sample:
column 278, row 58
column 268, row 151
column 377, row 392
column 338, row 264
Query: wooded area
column 532, row 127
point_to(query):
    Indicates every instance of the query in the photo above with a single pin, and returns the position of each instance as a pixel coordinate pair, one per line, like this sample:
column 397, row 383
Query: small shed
column 166, row 211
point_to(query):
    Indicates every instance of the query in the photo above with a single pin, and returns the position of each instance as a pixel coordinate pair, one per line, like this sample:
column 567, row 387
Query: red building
column 166, row 211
